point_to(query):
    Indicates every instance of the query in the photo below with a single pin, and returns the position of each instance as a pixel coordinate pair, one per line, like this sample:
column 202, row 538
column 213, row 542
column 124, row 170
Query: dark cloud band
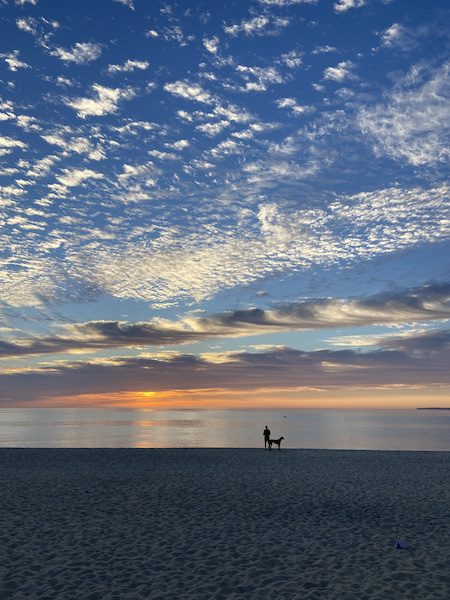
column 427, row 303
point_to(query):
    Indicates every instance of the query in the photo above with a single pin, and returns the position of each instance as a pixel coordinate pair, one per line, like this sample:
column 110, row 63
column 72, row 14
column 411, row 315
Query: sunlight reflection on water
column 128, row 428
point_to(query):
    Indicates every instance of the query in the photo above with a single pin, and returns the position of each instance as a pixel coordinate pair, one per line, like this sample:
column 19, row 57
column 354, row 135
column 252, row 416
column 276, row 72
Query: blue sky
column 218, row 200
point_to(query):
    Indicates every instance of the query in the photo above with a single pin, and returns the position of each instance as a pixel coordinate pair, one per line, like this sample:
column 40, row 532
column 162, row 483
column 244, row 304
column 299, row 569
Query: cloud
column 74, row 144
column 104, row 100
column 136, row 183
column 233, row 113
column 211, row 44
column 427, row 303
column 80, row 54
column 138, row 171
column 413, row 121
column 73, row 177
column 292, row 59
column 163, row 155
column 257, row 26
column 189, row 91
column 179, row 145
column 422, row 344
column 342, row 71
column 286, row 2
column 40, row 28
column 42, row 166
column 276, row 239
column 292, row 105
column 213, row 129
column 173, row 33
column 7, row 142
column 22, row 2
column 259, row 78
column 129, row 3
column 345, row 5
column 27, row 24
column 273, row 368
column 13, row 61
column 324, row 49
column 129, row 66
column 403, row 38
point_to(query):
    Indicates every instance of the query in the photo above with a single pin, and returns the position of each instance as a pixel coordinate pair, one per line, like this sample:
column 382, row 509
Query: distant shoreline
column 434, row 408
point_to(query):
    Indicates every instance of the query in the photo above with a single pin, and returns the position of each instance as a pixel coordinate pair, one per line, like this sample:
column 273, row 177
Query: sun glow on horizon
column 383, row 398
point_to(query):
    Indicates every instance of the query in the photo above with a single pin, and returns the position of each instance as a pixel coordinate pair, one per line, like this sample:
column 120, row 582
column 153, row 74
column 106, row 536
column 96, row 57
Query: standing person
column 266, row 434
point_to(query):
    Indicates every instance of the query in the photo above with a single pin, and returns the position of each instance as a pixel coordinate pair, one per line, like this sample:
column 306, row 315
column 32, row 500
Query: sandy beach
column 223, row 524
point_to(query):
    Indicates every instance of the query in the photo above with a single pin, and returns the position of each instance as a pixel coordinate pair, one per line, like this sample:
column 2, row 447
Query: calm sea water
column 91, row 428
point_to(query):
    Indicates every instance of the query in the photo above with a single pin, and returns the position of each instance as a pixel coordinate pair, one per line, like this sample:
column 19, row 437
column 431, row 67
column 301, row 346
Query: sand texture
column 213, row 524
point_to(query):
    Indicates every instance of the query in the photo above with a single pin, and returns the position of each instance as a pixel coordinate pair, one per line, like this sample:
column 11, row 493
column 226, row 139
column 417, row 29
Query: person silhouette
column 266, row 434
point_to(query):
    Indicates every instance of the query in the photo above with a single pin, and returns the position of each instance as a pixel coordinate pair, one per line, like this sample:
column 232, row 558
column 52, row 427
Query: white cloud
column 233, row 113
column 13, row 61
column 43, row 166
column 401, row 37
column 64, row 81
column 344, row 5
column 286, row 2
column 80, row 53
column 414, row 121
column 6, row 110
column 260, row 25
column 259, row 78
column 105, row 100
column 190, row 91
column 179, row 145
column 129, row 66
column 391, row 35
column 73, row 177
column 293, row 106
column 27, row 123
column 211, row 44
column 152, row 33
column 226, row 148
column 7, row 142
column 323, row 49
column 27, row 24
column 174, row 34
column 353, row 228
column 39, row 27
column 76, row 144
column 212, row 129
column 22, row 2
column 128, row 3
column 342, row 71
column 292, row 59
column 163, row 155
column 144, row 172
column 134, row 127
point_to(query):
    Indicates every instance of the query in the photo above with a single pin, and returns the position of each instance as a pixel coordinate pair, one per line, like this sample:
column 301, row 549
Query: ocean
column 137, row 428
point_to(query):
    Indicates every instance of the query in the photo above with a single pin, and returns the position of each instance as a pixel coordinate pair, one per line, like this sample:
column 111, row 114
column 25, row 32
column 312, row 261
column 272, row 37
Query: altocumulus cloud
column 102, row 101
column 80, row 53
column 413, row 122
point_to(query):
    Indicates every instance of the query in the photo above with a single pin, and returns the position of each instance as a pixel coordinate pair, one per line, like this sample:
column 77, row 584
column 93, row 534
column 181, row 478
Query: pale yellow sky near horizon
column 393, row 397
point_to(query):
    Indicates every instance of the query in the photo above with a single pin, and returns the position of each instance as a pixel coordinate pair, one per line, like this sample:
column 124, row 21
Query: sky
column 230, row 205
